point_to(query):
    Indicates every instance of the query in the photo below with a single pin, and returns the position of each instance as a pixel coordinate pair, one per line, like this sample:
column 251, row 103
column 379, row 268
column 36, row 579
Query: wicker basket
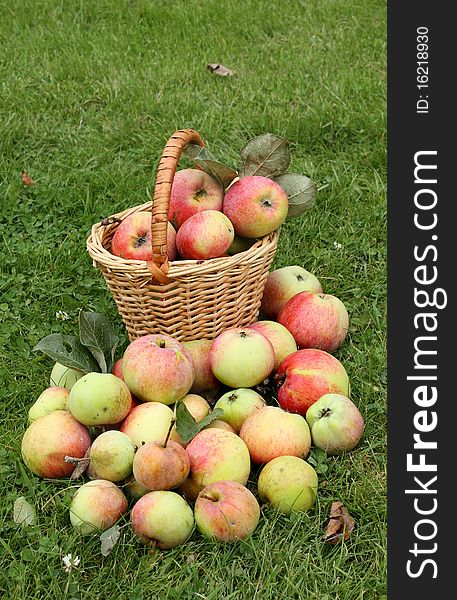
column 187, row 299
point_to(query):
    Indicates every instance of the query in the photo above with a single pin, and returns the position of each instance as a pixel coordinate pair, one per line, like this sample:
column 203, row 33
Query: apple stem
column 168, row 433
column 161, row 343
column 279, row 379
column 207, row 497
column 141, row 241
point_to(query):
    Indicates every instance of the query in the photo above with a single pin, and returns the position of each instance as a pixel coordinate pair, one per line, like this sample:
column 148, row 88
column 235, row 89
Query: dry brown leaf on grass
column 26, row 179
column 340, row 525
column 219, row 69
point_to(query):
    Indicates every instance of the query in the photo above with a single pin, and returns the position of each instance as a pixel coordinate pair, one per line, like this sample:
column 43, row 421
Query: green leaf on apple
column 187, row 426
column 267, row 155
column 221, row 173
column 68, row 351
column 96, row 334
column 109, row 539
column 301, row 190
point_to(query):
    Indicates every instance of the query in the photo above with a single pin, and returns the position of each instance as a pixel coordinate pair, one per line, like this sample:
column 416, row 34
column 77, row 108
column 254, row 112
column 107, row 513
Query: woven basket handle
column 166, row 170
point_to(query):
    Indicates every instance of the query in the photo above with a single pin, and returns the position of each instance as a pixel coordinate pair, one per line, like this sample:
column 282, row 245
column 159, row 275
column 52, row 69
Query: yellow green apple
column 111, row 455
column 336, row 423
column 52, row 398
column 237, row 405
column 162, row 519
column 97, row 506
column 99, row 399
column 288, row 483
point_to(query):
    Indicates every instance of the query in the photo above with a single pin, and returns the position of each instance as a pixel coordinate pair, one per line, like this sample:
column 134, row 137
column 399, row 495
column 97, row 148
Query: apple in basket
column 193, row 191
column 255, row 205
column 284, row 283
column 316, row 320
column 206, row 234
column 132, row 238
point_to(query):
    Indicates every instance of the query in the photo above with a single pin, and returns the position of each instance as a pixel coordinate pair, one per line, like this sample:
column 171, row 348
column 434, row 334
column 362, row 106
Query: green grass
column 91, row 91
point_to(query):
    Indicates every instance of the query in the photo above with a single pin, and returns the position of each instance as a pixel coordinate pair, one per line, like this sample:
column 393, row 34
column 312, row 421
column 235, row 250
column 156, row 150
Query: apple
column 336, row 423
column 49, row 439
column 117, row 369
column 204, row 379
column 271, row 432
column 238, row 405
column 157, row 368
column 316, row 320
column 226, row 511
column 99, row 399
column 240, row 244
column 255, row 205
column 147, row 423
column 97, row 506
column 282, row 284
column 52, row 398
column 306, row 375
column 111, row 455
column 207, row 234
column 281, row 339
column 216, row 454
column 132, row 238
column 158, row 466
column 62, row 376
column 163, row 519
column 134, row 489
column 288, row 483
column 193, row 191
column 198, row 408
column 241, row 357
column 218, row 424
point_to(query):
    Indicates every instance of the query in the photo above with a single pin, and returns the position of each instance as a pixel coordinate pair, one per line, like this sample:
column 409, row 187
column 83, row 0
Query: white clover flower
column 70, row 563
column 61, row 315
column 337, row 245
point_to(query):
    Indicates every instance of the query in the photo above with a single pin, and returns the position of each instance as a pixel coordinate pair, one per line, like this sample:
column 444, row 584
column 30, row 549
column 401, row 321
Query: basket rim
column 103, row 257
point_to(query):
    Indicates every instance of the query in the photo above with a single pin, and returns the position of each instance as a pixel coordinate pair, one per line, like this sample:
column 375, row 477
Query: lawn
column 90, row 93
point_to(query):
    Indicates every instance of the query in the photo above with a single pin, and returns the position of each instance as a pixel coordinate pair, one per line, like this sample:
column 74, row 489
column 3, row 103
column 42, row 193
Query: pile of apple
column 204, row 221
column 177, row 429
